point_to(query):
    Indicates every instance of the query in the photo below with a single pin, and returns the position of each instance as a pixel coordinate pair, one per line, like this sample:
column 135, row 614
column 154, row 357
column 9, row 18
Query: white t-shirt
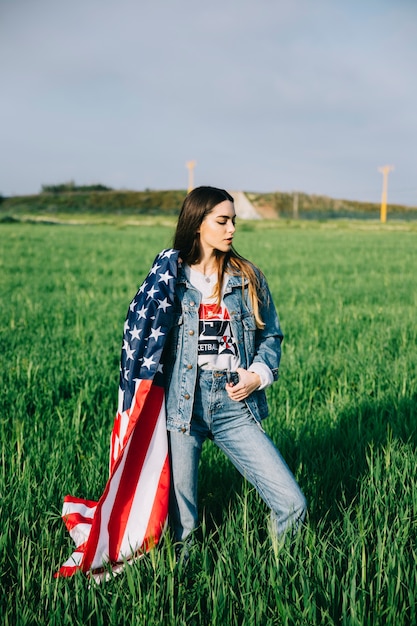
column 217, row 348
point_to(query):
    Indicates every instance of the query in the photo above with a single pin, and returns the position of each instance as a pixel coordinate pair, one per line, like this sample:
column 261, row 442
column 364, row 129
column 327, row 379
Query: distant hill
column 106, row 202
column 288, row 205
column 98, row 199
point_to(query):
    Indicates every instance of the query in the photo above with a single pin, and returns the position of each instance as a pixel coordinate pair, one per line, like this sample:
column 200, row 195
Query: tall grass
column 343, row 414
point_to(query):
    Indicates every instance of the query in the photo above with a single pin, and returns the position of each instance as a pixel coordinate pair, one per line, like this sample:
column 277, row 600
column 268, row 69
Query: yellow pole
column 385, row 170
column 190, row 166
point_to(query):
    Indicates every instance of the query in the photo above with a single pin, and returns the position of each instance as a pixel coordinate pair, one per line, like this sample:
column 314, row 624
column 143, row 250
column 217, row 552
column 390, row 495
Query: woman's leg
column 253, row 453
column 185, row 453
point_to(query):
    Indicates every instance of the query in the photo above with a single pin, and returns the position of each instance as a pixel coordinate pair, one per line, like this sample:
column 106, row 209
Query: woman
column 223, row 351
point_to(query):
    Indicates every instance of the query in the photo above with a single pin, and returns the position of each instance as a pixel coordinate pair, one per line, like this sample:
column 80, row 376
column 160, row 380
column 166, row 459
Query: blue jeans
column 235, row 431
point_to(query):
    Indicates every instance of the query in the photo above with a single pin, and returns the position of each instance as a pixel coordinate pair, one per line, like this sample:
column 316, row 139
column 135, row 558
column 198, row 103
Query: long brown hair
column 196, row 206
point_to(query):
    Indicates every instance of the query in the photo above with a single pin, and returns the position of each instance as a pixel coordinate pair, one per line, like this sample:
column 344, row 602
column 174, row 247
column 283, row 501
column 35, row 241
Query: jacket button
column 183, row 430
column 192, row 303
column 191, row 332
column 187, row 396
column 189, row 366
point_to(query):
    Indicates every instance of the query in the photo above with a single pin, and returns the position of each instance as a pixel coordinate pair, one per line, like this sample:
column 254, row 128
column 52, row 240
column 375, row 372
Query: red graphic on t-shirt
column 215, row 336
column 213, row 312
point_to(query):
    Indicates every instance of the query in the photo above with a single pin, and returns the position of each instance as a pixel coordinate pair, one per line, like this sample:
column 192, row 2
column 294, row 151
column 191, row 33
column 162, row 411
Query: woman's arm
column 263, row 370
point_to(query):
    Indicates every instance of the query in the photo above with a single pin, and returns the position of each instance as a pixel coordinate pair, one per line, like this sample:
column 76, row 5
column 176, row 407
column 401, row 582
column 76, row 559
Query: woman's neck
column 206, row 265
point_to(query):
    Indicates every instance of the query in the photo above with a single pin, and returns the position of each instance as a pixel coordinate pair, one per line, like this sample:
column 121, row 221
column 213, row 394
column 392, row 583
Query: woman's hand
column 248, row 382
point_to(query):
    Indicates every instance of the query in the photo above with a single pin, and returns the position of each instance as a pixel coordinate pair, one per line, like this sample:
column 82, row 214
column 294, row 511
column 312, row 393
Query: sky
column 263, row 95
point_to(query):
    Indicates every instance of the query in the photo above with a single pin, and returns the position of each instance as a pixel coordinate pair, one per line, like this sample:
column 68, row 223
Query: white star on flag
column 143, row 287
column 129, row 351
column 164, row 304
column 135, row 332
column 152, row 291
column 166, row 254
column 148, row 362
column 166, row 276
column 129, row 354
column 142, row 312
column 156, row 333
column 154, row 269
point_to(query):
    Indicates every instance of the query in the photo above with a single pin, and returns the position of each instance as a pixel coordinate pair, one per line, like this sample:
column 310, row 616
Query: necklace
column 207, row 277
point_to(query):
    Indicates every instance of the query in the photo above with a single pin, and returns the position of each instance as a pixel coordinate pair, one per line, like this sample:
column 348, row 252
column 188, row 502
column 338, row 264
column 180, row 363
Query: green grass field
column 343, row 414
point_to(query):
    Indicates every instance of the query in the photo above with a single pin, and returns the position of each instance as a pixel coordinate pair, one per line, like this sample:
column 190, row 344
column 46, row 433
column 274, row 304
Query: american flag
column 131, row 514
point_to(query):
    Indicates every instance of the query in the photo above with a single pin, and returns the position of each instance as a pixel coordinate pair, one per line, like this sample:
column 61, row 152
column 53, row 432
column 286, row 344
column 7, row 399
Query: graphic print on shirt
column 215, row 333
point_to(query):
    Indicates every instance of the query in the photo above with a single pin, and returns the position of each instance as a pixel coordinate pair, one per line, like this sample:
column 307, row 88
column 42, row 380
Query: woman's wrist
column 266, row 377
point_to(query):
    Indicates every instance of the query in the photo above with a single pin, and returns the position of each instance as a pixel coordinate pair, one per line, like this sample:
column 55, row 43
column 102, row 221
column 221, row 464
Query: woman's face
column 217, row 229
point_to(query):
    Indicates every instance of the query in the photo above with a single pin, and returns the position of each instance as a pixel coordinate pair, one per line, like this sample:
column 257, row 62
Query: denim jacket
column 182, row 345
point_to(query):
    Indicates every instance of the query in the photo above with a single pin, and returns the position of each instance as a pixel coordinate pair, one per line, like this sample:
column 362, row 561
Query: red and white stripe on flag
column 131, row 514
